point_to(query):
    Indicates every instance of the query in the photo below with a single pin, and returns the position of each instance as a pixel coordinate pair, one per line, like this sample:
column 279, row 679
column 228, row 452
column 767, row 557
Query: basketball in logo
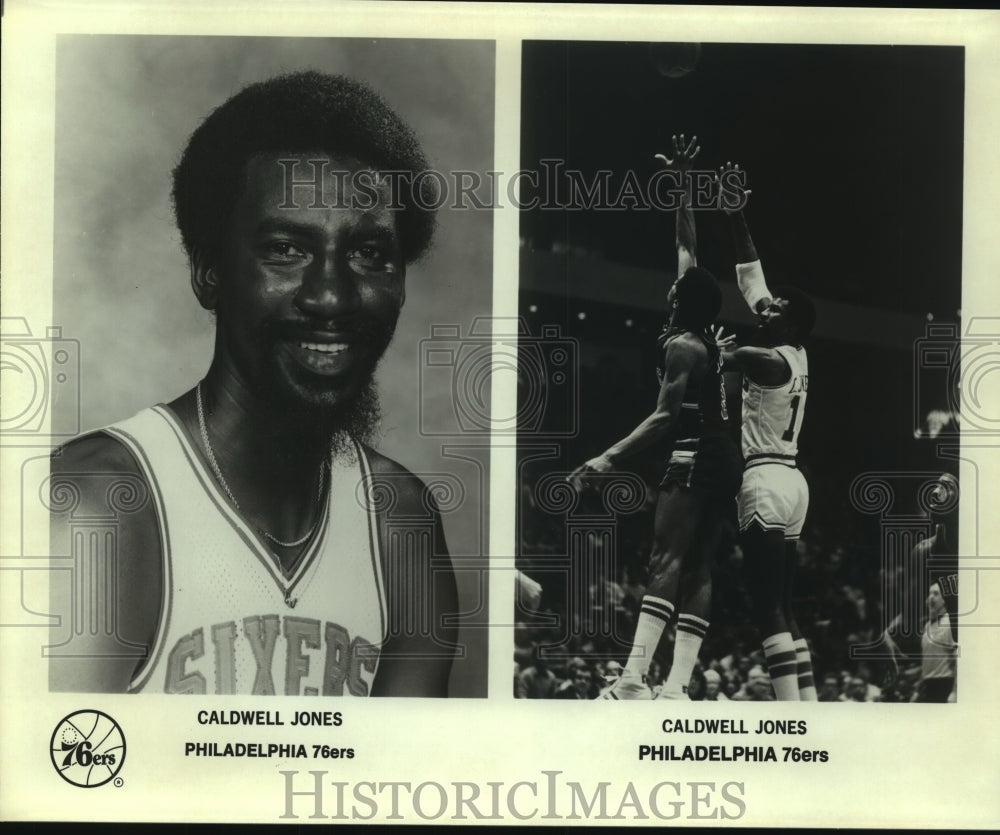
column 88, row 748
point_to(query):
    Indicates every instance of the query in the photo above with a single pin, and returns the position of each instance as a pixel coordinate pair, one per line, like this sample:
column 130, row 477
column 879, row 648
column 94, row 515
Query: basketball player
column 703, row 470
column 774, row 496
column 257, row 564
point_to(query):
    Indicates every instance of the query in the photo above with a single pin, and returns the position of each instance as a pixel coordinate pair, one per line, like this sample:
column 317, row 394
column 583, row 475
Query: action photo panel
column 738, row 448
column 253, row 239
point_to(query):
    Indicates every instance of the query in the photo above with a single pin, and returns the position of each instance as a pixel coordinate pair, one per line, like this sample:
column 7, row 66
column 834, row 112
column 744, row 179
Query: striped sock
column 690, row 633
column 654, row 615
column 779, row 650
column 807, row 687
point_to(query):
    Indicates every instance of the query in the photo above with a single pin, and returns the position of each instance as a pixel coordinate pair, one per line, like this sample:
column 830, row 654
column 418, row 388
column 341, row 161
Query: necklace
column 222, row 481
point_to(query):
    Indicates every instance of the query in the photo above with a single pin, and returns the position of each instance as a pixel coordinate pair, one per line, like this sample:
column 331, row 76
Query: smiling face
column 307, row 288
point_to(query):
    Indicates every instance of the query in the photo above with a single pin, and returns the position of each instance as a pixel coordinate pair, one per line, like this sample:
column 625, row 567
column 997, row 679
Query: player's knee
column 664, row 550
column 660, row 565
column 664, row 564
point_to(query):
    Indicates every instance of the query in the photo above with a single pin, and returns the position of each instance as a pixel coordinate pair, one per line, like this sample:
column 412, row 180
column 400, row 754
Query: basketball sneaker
column 626, row 688
column 679, row 693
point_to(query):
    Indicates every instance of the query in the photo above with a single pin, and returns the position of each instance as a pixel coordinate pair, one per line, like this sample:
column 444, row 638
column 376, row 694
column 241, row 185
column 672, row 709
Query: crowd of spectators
column 574, row 645
column 585, row 617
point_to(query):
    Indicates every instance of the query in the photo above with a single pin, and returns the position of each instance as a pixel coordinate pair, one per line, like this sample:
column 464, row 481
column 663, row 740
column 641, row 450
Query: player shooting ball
column 774, row 496
column 702, row 471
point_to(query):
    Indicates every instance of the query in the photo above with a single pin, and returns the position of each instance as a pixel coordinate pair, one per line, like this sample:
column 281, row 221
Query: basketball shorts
column 774, row 496
column 711, row 466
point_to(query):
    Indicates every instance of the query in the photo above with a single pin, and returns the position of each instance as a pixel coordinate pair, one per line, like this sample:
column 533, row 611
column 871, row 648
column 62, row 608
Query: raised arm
column 687, row 243
column 733, row 195
column 684, row 356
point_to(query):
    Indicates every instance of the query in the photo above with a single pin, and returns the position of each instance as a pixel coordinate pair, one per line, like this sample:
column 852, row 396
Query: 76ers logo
column 88, row 748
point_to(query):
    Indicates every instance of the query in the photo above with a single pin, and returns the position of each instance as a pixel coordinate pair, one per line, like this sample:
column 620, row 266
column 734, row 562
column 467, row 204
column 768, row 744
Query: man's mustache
column 359, row 328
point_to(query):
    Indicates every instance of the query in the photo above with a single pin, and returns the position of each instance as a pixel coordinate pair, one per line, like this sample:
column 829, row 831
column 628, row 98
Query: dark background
column 854, row 157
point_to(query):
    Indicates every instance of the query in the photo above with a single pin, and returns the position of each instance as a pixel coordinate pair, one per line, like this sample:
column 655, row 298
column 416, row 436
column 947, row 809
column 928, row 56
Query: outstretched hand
column 582, row 477
column 684, row 154
column 725, row 341
column 731, row 182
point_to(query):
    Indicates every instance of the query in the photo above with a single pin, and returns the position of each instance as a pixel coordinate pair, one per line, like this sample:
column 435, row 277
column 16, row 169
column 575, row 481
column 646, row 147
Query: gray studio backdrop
column 125, row 108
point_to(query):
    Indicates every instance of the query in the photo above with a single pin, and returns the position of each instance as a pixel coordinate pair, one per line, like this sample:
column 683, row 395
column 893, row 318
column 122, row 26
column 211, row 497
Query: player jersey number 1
column 794, row 424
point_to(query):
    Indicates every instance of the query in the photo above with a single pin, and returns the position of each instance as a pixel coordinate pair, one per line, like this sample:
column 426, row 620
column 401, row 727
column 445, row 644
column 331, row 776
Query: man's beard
column 351, row 416
column 358, row 421
column 337, row 408
column 355, row 420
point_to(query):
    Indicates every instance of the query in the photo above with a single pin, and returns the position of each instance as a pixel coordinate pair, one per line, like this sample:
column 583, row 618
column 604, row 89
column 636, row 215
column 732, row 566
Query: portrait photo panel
column 124, row 292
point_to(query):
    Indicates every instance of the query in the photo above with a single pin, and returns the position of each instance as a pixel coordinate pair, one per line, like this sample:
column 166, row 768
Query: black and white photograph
column 227, row 247
column 488, row 357
column 751, row 255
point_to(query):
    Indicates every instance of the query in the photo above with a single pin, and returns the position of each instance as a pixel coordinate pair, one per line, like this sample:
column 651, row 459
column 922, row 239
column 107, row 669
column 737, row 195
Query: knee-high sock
column 779, row 650
column 803, row 663
column 690, row 633
column 654, row 615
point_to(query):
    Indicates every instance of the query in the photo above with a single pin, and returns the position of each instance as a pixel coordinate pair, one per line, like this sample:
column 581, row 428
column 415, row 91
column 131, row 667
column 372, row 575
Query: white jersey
column 772, row 415
column 231, row 621
column 938, row 649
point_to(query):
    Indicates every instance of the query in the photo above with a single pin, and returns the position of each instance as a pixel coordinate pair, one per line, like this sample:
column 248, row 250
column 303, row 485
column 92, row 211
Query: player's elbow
column 660, row 422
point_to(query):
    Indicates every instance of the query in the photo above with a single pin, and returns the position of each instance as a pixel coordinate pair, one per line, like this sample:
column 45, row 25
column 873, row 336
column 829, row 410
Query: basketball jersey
column 231, row 621
column 703, row 410
column 772, row 415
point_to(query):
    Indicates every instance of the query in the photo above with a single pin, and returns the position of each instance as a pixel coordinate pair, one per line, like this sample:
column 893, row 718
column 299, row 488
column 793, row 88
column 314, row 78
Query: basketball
column 88, row 748
column 674, row 60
